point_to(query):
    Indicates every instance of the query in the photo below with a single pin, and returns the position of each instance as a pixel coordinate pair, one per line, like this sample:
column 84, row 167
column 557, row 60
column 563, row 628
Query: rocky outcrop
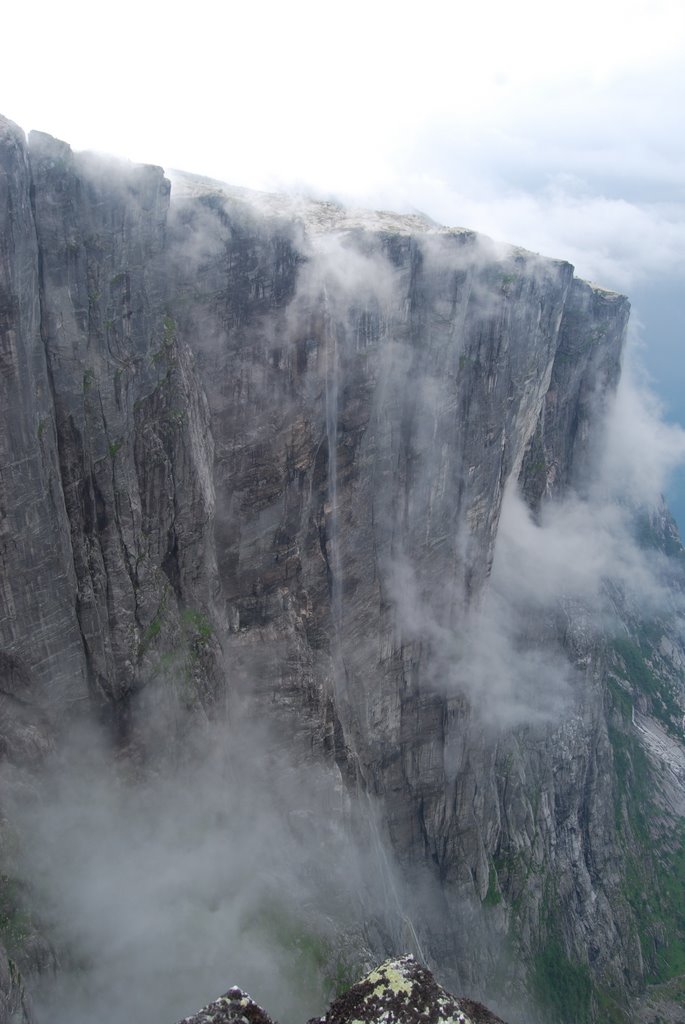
column 14, row 1003
column 253, row 458
column 235, row 1007
column 401, row 990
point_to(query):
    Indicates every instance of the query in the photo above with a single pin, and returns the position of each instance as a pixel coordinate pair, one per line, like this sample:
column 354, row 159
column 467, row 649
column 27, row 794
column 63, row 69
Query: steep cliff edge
column 258, row 464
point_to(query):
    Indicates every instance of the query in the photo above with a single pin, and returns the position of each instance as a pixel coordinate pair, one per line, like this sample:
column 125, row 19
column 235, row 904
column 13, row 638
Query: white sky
column 556, row 127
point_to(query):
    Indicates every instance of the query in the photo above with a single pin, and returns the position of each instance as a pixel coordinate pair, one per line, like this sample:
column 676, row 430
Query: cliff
column 259, row 463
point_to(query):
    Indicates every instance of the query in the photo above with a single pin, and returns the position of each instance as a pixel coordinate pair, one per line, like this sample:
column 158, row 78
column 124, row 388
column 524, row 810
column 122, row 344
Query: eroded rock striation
column 253, row 458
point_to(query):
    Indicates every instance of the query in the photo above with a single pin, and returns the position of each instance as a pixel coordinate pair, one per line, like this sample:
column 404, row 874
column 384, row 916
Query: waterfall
column 332, row 530
column 393, row 903
column 391, row 896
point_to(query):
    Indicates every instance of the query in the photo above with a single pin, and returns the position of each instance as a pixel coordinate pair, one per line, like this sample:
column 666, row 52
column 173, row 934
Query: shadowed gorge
column 331, row 625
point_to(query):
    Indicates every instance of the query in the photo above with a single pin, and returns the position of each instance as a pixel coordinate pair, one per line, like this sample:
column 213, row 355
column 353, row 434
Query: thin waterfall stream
column 394, row 905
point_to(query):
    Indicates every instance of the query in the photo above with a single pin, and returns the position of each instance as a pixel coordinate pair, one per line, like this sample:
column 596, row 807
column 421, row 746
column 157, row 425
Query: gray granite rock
column 235, row 1007
column 400, row 991
column 404, row 991
column 253, row 454
column 15, row 1006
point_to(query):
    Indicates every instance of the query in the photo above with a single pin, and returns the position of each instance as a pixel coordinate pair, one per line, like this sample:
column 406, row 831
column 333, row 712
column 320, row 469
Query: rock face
column 14, row 1005
column 404, row 991
column 399, row 990
column 235, row 1007
column 253, row 455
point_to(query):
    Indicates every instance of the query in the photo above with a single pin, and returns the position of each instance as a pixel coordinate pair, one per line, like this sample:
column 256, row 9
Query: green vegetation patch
column 654, row 885
column 562, row 988
column 633, row 790
column 153, row 630
column 323, row 970
column 642, row 676
column 659, row 905
column 609, row 1011
column 154, row 627
column 166, row 349
column 493, row 896
column 169, row 330
column 196, row 625
column 15, row 924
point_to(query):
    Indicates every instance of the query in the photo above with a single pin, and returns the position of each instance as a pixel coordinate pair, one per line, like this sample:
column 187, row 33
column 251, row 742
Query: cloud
column 569, row 555
column 642, row 450
column 508, row 653
column 510, row 676
column 613, row 241
column 576, row 153
column 560, row 580
column 163, row 886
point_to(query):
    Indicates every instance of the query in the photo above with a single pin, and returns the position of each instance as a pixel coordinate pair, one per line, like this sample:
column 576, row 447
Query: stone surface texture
column 235, row 434
column 235, row 1007
column 400, row 991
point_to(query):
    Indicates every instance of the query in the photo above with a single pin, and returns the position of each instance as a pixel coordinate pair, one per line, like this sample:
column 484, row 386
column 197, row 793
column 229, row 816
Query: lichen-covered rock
column 235, row 1007
column 402, row 991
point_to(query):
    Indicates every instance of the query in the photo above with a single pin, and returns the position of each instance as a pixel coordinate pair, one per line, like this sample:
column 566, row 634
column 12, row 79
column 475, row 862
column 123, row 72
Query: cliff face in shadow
column 254, row 456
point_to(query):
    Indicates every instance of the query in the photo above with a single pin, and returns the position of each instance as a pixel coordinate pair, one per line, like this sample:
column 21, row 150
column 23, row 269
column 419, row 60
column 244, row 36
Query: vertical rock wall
column 253, row 454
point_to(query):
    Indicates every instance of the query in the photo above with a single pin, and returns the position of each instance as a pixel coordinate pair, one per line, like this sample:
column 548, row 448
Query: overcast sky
column 556, row 127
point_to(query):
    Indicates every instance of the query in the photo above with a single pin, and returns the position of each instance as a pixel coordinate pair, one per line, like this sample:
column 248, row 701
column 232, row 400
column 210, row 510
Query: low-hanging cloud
column 486, row 653
column 642, row 450
column 161, row 888
column 568, row 564
column 615, row 241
